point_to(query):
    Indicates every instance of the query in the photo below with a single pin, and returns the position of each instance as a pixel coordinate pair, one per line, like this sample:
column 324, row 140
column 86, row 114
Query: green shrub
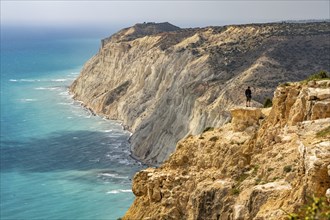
column 324, row 132
column 268, row 103
column 285, row 84
column 275, row 178
column 287, row 168
column 316, row 208
column 208, row 129
column 179, row 146
column 270, row 169
column 318, row 76
column 258, row 181
column 242, row 177
column 214, row 138
column 235, row 191
column 255, row 169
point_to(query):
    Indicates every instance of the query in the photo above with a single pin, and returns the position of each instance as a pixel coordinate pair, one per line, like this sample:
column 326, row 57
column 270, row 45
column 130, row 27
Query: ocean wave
column 42, row 80
column 74, row 73
column 66, row 93
column 61, row 80
column 112, row 175
column 28, row 100
column 65, row 103
column 24, row 80
column 48, row 88
column 125, row 162
column 116, row 191
column 113, row 157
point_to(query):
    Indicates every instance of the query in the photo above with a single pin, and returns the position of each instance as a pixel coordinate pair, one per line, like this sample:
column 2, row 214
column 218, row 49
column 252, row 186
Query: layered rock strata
column 262, row 165
column 165, row 83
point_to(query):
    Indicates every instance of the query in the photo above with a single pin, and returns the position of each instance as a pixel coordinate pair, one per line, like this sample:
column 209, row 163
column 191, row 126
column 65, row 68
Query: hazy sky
column 180, row 13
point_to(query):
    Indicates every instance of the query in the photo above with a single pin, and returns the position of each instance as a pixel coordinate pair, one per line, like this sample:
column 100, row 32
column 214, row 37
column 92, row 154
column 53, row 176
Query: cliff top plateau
column 165, row 83
column 140, row 30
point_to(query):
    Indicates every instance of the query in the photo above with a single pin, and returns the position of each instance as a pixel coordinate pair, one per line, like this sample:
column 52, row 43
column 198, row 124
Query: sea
column 58, row 160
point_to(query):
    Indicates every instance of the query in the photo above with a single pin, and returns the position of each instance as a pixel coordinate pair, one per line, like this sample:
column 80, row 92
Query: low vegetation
column 316, row 208
column 268, row 103
column 208, row 129
column 235, row 190
column 323, row 133
column 214, row 138
column 284, row 84
column 321, row 75
column 287, row 168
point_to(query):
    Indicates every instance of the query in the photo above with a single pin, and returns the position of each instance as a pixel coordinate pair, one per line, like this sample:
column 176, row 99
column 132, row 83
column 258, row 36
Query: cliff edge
column 164, row 82
column 262, row 165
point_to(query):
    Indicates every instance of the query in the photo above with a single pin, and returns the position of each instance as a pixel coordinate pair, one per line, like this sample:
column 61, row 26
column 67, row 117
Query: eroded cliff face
column 264, row 163
column 166, row 85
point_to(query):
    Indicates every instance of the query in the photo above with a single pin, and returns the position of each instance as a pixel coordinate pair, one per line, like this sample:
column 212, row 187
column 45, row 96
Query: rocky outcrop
column 266, row 162
column 165, row 83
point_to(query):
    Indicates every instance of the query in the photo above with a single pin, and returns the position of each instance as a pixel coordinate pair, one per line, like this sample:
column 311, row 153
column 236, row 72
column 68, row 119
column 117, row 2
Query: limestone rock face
column 243, row 119
column 261, row 165
column 165, row 83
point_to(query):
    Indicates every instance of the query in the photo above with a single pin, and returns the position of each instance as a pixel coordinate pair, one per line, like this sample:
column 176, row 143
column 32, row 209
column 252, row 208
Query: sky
column 120, row 14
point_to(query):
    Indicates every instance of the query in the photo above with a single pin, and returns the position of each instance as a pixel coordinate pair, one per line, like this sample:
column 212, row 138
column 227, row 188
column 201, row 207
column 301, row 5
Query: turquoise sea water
column 58, row 161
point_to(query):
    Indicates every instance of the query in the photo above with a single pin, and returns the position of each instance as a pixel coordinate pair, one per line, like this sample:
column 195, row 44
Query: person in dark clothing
column 248, row 95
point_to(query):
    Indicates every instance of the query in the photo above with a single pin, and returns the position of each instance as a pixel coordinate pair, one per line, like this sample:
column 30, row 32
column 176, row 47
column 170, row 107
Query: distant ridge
column 307, row 21
column 141, row 30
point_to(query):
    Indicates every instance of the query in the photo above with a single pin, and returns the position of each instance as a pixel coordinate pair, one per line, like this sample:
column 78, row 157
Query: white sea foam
column 65, row 103
column 47, row 88
column 116, row 191
column 113, row 157
column 62, row 80
column 30, row 80
column 24, row 80
column 42, row 80
column 112, row 175
column 109, row 174
column 64, row 93
column 125, row 162
column 28, row 100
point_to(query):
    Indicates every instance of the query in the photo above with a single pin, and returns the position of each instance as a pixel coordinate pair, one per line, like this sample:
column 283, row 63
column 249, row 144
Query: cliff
column 266, row 162
column 165, row 83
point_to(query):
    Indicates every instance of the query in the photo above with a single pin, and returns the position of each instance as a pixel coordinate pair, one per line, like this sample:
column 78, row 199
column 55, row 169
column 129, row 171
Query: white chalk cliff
column 165, row 83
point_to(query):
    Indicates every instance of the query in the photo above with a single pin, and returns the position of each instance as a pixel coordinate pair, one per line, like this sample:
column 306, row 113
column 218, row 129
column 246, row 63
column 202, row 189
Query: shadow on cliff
column 65, row 151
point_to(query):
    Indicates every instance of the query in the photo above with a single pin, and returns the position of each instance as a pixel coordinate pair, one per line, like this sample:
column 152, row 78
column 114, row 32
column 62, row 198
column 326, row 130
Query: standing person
column 248, row 95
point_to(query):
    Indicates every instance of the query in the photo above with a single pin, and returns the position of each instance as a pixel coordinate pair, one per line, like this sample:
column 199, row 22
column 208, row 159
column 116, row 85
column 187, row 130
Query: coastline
column 124, row 128
column 169, row 85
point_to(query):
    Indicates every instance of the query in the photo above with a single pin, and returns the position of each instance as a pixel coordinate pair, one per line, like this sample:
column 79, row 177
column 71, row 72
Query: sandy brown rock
column 255, row 170
column 165, row 83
